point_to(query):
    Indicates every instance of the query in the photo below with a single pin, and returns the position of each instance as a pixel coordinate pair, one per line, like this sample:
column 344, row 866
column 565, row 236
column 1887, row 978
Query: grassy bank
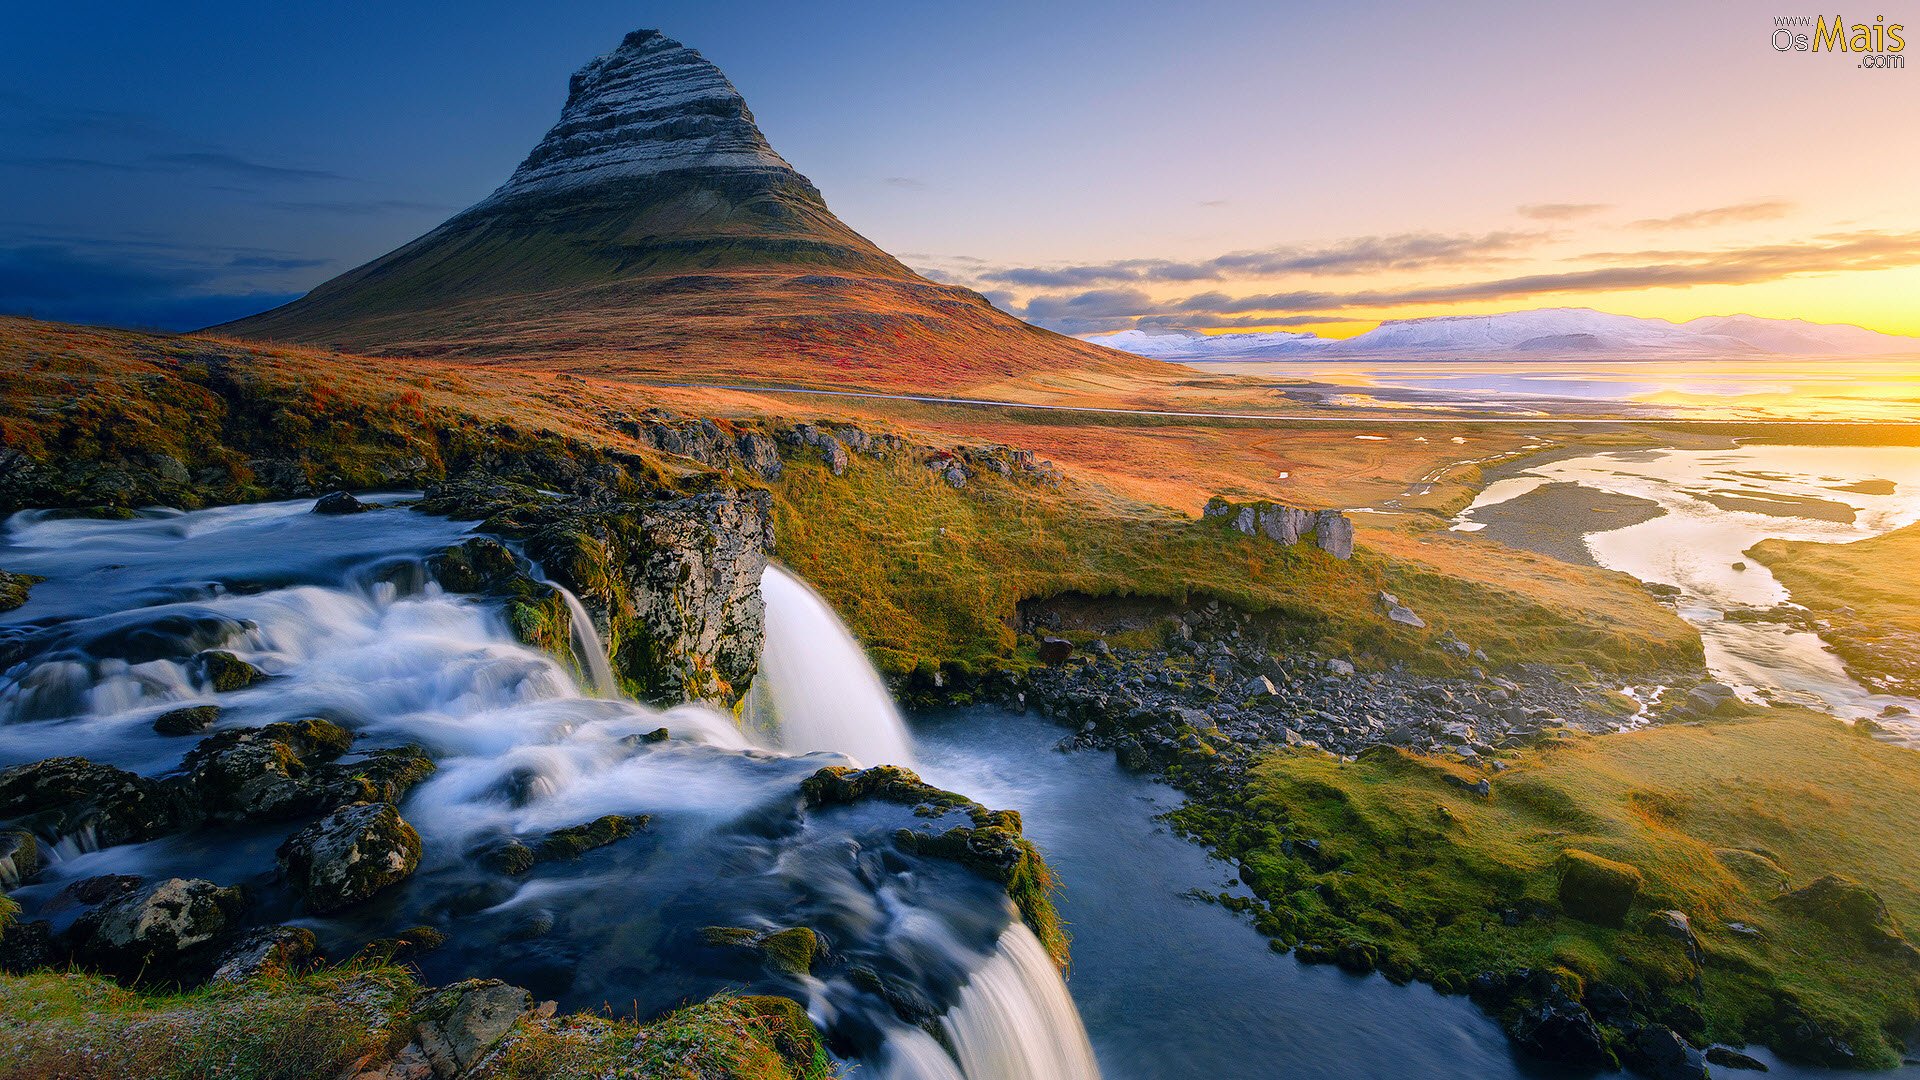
column 357, row 1018
column 1868, row 594
column 926, row 574
column 1390, row 862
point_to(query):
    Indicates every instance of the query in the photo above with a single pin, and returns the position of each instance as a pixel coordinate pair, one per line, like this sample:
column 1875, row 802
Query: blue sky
column 175, row 165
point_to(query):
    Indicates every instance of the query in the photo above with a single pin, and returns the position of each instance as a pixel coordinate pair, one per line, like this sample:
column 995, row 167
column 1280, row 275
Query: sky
column 1090, row 166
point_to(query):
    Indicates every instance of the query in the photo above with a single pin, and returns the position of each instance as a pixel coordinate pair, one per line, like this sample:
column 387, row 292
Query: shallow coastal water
column 1826, row 389
column 1710, row 507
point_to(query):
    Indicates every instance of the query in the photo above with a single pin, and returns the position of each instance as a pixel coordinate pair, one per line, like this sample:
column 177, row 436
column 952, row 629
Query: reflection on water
column 1816, row 389
column 1716, row 504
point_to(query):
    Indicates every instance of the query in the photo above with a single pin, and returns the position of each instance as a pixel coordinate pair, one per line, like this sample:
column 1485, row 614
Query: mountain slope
column 1546, row 333
column 654, row 231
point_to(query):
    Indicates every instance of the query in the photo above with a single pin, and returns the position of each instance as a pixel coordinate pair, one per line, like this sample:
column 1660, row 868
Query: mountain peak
column 654, row 232
column 649, row 107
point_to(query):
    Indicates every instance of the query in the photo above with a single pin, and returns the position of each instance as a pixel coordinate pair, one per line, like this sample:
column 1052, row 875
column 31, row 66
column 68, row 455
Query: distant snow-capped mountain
column 1547, row 333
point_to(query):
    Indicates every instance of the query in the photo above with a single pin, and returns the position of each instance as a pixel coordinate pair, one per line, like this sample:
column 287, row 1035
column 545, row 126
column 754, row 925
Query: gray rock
column 339, row 502
column 350, row 855
column 189, row 720
column 271, row 950
column 1333, row 532
column 1399, row 612
column 458, row 1025
column 1260, row 688
column 760, row 455
column 149, row 927
column 1662, row 1054
column 94, row 806
column 1730, row 1058
column 1339, row 667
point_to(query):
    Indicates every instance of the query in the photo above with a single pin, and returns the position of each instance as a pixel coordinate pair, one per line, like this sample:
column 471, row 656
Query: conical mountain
column 654, row 231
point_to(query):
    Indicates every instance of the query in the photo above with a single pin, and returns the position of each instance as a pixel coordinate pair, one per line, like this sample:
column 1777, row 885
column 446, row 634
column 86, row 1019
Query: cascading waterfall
column 586, row 643
column 816, row 689
column 341, row 616
column 1014, row 1019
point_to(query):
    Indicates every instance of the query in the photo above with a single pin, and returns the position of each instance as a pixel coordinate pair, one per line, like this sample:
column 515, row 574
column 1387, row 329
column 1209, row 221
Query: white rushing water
column 816, row 689
column 1714, row 506
column 341, row 616
column 586, row 644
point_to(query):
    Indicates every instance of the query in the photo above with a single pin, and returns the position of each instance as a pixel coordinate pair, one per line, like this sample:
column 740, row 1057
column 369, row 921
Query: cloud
column 1361, row 255
column 1117, row 308
column 235, row 165
column 1560, row 211
column 54, row 281
column 1766, row 210
column 357, row 207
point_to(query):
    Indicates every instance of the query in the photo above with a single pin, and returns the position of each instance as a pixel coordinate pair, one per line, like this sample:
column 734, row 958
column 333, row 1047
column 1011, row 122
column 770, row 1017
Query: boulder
column 1849, row 908
column 1400, row 612
column 1333, row 533
column 1676, row 926
column 1659, row 1052
column 224, row 672
column 456, row 1027
column 576, row 840
column 95, row 806
column 271, row 950
column 188, row 720
column 350, row 855
column 1055, row 651
column 247, row 774
column 792, row 951
column 1728, row 1057
column 478, row 565
column 1558, row 1028
column 1597, row 890
column 147, row 928
column 339, row 502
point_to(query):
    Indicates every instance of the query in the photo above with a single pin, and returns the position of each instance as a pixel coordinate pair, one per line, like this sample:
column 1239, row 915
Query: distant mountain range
column 1547, row 333
column 654, row 231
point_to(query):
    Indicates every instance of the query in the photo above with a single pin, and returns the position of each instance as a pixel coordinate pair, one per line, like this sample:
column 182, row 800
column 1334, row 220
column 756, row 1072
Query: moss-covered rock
column 224, row 672
column 19, row 857
column 576, row 840
column 1597, row 890
column 478, row 565
column 72, row 797
column 350, row 855
column 991, row 845
column 790, row 951
column 15, row 587
column 247, row 774
column 188, row 720
column 147, row 929
column 1851, row 908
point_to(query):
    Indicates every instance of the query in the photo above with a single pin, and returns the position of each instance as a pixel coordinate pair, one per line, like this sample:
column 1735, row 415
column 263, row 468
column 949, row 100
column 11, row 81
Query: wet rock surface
column 350, row 855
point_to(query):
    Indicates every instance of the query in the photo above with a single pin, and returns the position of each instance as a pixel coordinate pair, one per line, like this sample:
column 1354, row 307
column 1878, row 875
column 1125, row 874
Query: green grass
column 1416, row 871
column 928, row 575
column 1868, row 590
column 345, row 1020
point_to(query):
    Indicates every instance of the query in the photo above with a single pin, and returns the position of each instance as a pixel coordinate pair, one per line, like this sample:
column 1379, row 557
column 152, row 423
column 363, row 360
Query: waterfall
column 816, row 683
column 1015, row 1019
column 586, row 643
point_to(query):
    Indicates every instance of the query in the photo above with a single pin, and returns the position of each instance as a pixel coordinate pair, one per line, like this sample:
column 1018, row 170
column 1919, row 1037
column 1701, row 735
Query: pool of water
column 1172, row 988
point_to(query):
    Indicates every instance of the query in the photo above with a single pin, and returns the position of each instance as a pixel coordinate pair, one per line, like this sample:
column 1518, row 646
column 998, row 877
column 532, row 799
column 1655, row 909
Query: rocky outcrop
column 1329, row 530
column 673, row 585
column 350, row 855
column 14, row 589
column 71, row 798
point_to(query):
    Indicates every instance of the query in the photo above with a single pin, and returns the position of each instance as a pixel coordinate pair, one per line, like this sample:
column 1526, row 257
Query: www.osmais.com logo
column 1877, row 44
